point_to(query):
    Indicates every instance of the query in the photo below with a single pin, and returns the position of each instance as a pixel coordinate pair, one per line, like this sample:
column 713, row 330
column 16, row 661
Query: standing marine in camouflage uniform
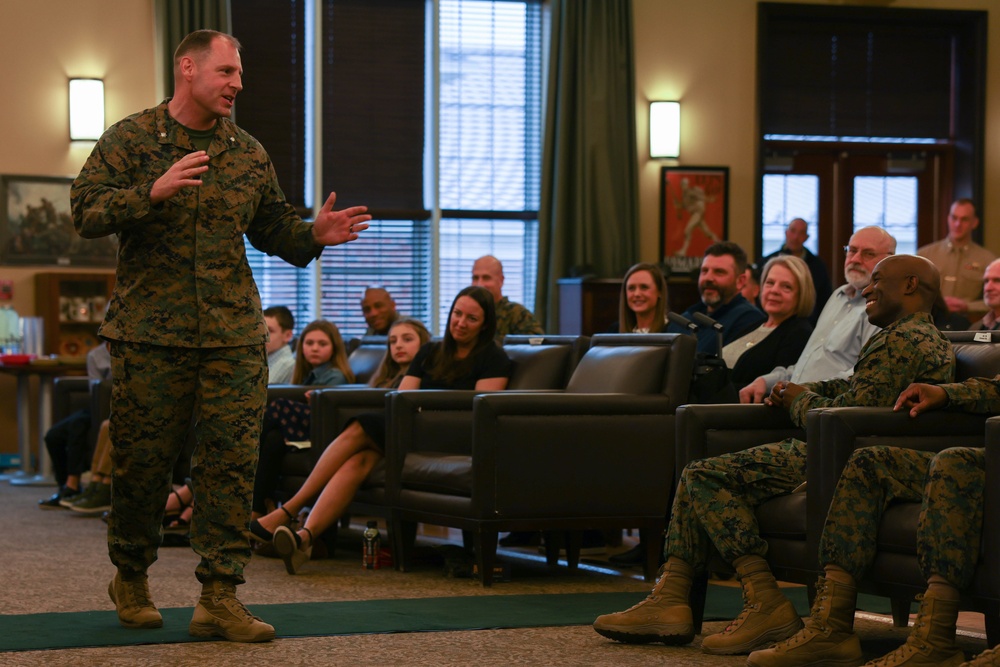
column 716, row 497
column 949, row 485
column 512, row 318
column 180, row 185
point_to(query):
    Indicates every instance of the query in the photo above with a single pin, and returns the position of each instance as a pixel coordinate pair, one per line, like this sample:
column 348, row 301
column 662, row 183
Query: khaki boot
column 664, row 616
column 932, row 640
column 828, row 636
column 218, row 613
column 767, row 616
column 132, row 602
column 990, row 658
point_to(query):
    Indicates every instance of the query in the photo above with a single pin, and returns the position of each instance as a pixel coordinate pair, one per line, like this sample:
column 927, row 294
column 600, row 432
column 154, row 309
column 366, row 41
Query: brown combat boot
column 932, row 640
column 664, row 616
column 218, row 613
column 767, row 616
column 828, row 636
column 132, row 602
column 990, row 658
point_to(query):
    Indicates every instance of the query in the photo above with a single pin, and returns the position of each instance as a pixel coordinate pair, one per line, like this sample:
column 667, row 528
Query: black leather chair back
column 634, row 364
column 543, row 362
column 975, row 353
column 364, row 360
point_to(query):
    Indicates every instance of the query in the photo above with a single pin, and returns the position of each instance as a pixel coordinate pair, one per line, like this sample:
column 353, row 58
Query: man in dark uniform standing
column 180, row 185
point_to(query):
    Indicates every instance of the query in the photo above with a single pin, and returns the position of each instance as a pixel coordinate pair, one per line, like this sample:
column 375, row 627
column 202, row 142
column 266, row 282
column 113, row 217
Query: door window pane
column 786, row 197
column 889, row 202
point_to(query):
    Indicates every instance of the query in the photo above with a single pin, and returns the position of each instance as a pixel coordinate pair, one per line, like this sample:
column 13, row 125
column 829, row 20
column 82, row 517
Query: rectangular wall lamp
column 86, row 109
column 664, row 129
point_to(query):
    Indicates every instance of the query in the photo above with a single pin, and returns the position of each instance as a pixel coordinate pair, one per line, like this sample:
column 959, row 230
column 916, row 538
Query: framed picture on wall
column 36, row 226
column 694, row 208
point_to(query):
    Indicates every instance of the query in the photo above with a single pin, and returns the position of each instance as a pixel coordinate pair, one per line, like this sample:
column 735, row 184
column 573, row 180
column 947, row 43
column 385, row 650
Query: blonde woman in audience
column 787, row 297
column 467, row 358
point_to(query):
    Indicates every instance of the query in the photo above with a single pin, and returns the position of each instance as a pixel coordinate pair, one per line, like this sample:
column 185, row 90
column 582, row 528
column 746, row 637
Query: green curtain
column 588, row 215
column 176, row 18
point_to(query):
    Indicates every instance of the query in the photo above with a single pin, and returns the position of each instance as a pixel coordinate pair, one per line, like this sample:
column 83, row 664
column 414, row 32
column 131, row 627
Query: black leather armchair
column 597, row 455
column 895, row 572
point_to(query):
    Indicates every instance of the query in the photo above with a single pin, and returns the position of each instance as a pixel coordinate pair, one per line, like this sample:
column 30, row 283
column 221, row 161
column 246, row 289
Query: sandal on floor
column 180, row 525
column 172, row 516
column 262, row 534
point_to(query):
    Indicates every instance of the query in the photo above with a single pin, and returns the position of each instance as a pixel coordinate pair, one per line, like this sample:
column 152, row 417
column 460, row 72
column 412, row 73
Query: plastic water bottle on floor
column 372, row 547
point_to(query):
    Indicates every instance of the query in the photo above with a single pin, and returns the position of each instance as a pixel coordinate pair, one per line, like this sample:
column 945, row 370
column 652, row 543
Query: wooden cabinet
column 72, row 306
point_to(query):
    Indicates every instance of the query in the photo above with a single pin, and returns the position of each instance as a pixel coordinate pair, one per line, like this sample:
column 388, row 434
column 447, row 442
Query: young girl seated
column 320, row 361
column 467, row 358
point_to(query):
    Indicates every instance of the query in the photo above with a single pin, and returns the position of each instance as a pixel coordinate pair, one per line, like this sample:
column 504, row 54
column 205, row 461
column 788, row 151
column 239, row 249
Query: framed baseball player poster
column 694, row 208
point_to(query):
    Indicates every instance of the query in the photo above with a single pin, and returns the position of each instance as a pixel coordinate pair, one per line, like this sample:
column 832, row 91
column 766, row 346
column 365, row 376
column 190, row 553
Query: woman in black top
column 467, row 358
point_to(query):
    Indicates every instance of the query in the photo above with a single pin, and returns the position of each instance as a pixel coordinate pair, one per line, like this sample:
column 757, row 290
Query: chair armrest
column 705, row 430
column 572, row 455
column 845, row 429
column 293, row 392
column 332, row 407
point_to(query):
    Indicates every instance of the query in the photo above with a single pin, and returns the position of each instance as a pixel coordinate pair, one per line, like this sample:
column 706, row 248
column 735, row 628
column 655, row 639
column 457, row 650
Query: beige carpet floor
column 56, row 561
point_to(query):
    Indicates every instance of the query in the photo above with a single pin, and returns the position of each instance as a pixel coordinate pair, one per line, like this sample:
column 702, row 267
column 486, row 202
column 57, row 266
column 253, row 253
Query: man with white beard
column 842, row 329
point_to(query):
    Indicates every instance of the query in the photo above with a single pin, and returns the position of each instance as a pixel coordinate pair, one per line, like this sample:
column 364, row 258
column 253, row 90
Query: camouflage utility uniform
column 515, row 319
column 949, row 485
column 716, row 497
column 185, row 325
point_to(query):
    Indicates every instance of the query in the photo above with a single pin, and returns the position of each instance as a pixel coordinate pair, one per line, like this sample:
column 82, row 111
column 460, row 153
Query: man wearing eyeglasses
column 842, row 329
column 961, row 261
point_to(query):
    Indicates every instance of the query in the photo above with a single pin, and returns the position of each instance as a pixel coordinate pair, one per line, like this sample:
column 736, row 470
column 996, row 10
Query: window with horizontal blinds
column 859, row 73
column 376, row 98
column 393, row 254
column 490, row 143
column 281, row 284
column 272, row 105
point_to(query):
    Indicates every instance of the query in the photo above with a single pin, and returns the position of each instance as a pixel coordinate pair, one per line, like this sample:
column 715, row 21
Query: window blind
column 272, row 104
column 394, row 254
column 860, row 73
column 490, row 143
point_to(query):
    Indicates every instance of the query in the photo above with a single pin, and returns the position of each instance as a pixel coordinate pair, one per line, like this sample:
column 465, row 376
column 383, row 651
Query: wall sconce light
column 86, row 109
column 664, row 129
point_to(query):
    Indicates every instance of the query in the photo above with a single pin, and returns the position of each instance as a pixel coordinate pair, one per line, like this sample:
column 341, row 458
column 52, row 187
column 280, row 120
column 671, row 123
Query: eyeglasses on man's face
column 866, row 254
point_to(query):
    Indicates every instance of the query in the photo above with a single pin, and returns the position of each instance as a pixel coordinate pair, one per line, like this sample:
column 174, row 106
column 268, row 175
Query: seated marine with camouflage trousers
column 949, row 484
column 716, row 497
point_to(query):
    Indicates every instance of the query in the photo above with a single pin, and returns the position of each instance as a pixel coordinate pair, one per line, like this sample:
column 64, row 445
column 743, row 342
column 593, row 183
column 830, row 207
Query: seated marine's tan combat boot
column 219, row 614
column 664, row 616
column 990, row 658
column 828, row 636
column 132, row 602
column 767, row 616
column 931, row 642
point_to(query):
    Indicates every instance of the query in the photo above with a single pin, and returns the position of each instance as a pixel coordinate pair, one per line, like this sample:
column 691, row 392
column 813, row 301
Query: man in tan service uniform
column 960, row 260
column 180, row 185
